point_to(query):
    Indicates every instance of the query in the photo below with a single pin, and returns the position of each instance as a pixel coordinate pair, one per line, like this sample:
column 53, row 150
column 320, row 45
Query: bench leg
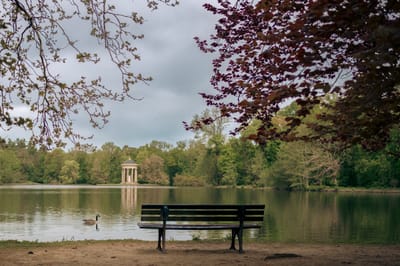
column 239, row 234
column 240, row 237
column 163, row 240
column 159, row 239
column 234, row 234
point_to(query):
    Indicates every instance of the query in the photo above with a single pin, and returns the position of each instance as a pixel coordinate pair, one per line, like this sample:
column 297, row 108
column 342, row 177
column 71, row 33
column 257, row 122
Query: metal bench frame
column 236, row 218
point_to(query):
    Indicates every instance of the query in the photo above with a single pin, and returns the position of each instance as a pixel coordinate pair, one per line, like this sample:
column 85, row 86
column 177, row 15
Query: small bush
column 191, row 181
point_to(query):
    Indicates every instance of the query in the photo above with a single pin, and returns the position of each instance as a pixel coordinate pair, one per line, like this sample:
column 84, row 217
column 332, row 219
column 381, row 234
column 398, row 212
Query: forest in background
column 210, row 158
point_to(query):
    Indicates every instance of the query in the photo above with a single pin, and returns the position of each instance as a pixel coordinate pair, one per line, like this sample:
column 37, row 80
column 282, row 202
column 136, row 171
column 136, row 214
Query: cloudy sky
column 179, row 71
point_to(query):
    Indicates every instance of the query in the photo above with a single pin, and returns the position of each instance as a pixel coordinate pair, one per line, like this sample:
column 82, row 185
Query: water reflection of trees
column 369, row 218
column 301, row 217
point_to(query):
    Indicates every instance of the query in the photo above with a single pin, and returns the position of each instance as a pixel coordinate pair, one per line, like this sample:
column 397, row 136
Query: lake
column 54, row 213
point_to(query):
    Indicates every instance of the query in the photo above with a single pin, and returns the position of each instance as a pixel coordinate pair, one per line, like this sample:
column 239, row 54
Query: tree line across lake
column 211, row 158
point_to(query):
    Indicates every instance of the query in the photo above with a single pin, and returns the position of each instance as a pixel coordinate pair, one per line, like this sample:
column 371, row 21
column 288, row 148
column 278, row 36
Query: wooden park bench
column 201, row 217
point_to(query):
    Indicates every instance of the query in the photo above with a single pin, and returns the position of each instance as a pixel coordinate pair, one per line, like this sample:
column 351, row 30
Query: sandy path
column 197, row 253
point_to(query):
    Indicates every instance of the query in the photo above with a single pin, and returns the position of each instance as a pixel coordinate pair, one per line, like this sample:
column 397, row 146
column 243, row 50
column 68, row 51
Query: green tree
column 176, row 161
column 53, row 162
column 204, row 130
column 82, row 158
column 300, row 164
column 227, row 165
column 347, row 176
column 106, row 164
column 373, row 171
column 69, row 172
column 27, row 155
column 259, row 167
column 115, row 160
column 112, row 163
column 152, row 170
column 143, row 154
column 212, row 135
column 392, row 151
column 39, row 164
column 99, row 173
column 207, row 167
column 244, row 152
column 194, row 153
column 10, row 167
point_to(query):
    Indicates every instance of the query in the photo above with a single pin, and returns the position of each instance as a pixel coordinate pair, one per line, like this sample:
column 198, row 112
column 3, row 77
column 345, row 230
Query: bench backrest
column 202, row 213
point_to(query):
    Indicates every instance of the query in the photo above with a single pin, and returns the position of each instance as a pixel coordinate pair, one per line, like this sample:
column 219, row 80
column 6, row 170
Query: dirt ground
column 197, row 253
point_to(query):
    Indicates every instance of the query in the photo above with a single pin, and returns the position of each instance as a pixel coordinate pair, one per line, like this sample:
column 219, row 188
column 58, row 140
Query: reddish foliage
column 275, row 51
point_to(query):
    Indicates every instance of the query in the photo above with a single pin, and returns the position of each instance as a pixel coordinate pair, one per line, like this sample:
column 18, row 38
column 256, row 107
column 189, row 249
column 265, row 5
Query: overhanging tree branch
column 35, row 41
column 269, row 53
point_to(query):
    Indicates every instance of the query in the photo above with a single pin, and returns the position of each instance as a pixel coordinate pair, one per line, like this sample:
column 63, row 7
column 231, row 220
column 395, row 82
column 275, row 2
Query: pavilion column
column 135, row 175
column 130, row 175
column 125, row 178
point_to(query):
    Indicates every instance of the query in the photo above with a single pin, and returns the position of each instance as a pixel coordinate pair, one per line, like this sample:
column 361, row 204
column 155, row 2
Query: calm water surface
column 55, row 213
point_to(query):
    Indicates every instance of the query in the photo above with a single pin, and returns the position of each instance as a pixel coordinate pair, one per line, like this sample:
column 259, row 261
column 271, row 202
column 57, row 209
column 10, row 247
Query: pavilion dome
column 129, row 162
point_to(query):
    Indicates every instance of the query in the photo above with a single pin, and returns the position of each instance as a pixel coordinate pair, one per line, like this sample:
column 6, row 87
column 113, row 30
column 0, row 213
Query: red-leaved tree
column 272, row 52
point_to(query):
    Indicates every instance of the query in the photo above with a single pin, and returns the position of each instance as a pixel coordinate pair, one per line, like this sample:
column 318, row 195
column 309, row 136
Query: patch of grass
column 16, row 243
column 64, row 242
column 227, row 237
column 196, row 237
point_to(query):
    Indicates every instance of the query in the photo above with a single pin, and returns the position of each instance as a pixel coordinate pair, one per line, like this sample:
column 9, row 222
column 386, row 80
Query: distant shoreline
column 312, row 189
column 324, row 189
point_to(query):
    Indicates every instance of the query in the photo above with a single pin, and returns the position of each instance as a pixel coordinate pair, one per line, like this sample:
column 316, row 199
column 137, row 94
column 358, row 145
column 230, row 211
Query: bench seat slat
column 192, row 212
column 202, row 218
column 196, row 226
column 203, row 212
column 202, row 206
